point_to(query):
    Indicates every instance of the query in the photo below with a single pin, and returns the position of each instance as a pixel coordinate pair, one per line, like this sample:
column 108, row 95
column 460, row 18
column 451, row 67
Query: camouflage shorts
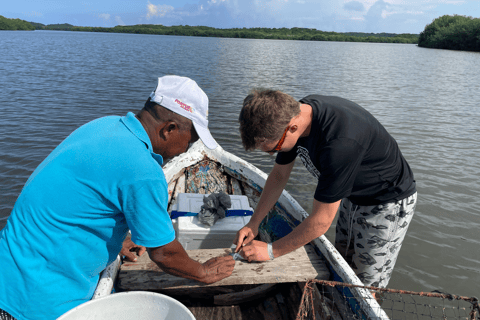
column 374, row 236
column 4, row 315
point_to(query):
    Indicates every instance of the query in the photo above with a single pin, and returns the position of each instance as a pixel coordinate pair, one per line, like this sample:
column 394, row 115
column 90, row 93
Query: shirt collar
column 136, row 127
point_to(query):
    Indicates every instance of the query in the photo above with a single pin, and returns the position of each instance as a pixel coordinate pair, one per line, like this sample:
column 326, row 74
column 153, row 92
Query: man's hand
column 255, row 251
column 173, row 259
column 245, row 236
column 129, row 249
column 218, row 268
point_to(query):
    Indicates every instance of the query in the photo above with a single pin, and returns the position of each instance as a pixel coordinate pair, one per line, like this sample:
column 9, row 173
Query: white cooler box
column 195, row 235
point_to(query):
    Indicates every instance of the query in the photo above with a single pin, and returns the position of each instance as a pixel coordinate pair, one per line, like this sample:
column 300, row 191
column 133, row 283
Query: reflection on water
column 53, row 82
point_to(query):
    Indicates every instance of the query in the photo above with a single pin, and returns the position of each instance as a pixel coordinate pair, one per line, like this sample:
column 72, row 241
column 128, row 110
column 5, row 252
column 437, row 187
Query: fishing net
column 334, row 301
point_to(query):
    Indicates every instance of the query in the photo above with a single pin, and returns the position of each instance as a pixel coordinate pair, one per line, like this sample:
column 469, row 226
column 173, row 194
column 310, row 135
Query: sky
column 391, row 16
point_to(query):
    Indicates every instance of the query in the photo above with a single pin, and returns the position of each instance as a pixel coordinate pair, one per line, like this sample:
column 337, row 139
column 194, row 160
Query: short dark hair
column 163, row 114
column 265, row 115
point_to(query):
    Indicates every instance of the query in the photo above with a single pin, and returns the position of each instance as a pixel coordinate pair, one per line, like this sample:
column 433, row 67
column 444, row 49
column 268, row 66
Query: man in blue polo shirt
column 76, row 208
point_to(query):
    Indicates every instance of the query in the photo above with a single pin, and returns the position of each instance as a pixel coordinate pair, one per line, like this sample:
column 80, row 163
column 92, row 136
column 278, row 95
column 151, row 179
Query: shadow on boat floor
column 281, row 303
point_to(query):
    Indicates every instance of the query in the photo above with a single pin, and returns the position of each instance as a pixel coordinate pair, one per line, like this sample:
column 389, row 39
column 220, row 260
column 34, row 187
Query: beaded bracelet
column 270, row 250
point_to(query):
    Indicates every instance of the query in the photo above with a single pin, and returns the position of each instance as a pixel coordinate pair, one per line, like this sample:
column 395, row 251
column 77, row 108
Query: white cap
column 183, row 96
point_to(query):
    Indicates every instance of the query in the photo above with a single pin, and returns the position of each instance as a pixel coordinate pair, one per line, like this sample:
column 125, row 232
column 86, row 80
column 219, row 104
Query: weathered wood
column 171, row 190
column 252, row 194
column 197, row 292
column 282, row 306
column 236, row 188
column 243, row 296
column 179, row 188
column 299, row 265
column 216, row 312
column 293, row 301
column 270, row 310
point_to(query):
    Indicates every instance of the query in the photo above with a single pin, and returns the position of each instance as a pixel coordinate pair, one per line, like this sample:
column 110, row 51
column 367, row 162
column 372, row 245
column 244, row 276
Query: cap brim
column 205, row 136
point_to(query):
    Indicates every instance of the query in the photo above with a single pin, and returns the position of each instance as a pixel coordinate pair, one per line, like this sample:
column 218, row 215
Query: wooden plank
column 216, row 312
column 252, row 194
column 171, row 190
column 293, row 300
column 299, row 265
column 179, row 188
column 236, row 188
column 270, row 310
column 243, row 296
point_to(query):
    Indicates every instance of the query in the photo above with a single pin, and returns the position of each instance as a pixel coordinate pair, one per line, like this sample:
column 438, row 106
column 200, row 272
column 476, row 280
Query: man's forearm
column 276, row 182
column 300, row 236
column 314, row 226
column 173, row 259
column 177, row 263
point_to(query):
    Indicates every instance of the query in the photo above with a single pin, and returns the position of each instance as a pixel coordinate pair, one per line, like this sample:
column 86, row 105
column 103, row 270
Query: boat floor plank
column 216, row 312
column 298, row 266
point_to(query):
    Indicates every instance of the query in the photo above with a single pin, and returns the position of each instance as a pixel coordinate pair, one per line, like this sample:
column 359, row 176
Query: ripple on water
column 53, row 82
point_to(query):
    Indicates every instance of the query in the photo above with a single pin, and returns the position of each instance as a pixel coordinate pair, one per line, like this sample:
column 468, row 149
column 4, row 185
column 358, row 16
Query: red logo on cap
column 184, row 106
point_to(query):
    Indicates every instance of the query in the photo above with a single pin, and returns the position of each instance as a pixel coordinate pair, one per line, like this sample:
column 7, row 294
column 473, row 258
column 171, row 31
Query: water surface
column 52, row 82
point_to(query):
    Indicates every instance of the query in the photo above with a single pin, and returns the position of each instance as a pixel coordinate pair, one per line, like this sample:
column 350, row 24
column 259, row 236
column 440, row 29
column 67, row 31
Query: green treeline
column 15, row 24
column 452, row 32
column 257, row 33
column 250, row 33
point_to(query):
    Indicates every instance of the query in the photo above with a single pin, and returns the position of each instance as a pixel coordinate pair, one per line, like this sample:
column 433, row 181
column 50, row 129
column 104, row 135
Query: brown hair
column 265, row 115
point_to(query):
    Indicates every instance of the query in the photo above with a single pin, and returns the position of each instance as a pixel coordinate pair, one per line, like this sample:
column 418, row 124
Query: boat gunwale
column 256, row 179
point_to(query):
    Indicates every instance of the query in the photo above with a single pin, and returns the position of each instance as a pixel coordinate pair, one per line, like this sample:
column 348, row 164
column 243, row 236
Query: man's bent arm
column 173, row 259
column 314, row 226
column 276, row 182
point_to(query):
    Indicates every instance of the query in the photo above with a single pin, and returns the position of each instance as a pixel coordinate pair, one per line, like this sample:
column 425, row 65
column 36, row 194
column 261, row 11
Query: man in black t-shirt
column 360, row 170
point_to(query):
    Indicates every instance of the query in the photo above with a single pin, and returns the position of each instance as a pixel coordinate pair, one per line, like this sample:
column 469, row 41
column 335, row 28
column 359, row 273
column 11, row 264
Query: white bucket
column 138, row 305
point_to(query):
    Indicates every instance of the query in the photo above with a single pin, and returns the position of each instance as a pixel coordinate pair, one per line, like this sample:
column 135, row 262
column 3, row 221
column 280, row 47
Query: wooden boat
column 201, row 170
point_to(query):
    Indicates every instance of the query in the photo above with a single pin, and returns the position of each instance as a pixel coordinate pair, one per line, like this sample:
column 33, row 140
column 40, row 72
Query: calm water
column 53, row 82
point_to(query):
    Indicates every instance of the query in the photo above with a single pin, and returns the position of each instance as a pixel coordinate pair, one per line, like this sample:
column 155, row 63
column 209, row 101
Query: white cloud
column 104, row 16
column 386, row 13
column 33, row 14
column 119, row 21
column 158, row 10
column 354, row 6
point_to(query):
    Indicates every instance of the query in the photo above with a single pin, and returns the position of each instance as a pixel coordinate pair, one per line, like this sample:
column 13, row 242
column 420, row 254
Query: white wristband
column 270, row 250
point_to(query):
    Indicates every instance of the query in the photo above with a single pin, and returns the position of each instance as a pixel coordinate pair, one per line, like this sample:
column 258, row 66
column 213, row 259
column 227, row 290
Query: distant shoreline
column 306, row 34
column 250, row 33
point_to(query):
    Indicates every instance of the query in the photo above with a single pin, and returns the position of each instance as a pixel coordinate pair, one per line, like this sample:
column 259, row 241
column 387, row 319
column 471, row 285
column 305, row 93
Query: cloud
column 119, row 21
column 386, row 13
column 158, row 10
column 33, row 14
column 354, row 6
column 375, row 16
column 192, row 10
column 396, row 16
column 104, row 16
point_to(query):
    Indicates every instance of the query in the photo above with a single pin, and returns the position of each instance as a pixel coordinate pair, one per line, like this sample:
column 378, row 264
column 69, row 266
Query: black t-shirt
column 351, row 154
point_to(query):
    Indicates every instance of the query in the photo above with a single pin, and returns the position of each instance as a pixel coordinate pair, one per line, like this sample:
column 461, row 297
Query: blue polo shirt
column 73, row 213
